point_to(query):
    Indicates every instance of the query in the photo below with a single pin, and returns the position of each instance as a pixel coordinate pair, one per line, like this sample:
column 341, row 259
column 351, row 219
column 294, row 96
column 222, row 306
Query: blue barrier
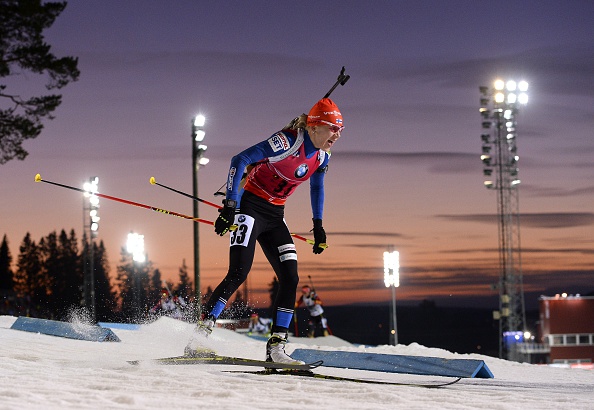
column 421, row 365
column 121, row 326
column 64, row 329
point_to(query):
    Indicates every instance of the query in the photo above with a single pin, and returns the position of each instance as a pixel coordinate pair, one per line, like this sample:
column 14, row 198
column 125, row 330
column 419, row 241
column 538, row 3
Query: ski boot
column 275, row 350
column 194, row 348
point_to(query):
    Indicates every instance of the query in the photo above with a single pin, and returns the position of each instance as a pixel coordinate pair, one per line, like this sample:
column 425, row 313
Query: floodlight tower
column 91, row 226
column 198, row 160
column 499, row 109
column 392, row 280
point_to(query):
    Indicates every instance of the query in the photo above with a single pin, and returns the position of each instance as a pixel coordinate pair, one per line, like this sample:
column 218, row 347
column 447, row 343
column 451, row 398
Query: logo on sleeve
column 279, row 142
column 230, row 180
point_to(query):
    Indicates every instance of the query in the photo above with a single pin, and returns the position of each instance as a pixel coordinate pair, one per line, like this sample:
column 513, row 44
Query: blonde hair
column 297, row 122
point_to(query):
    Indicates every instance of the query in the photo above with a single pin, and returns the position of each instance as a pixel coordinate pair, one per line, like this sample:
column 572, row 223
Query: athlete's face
column 324, row 136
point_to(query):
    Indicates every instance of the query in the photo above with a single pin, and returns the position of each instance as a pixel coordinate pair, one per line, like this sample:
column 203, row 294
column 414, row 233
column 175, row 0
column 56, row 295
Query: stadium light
column 499, row 155
column 198, row 160
column 135, row 247
column 392, row 280
column 91, row 225
column 92, row 187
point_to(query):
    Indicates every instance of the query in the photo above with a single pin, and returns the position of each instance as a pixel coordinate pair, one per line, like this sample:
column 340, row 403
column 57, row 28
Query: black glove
column 319, row 236
column 226, row 217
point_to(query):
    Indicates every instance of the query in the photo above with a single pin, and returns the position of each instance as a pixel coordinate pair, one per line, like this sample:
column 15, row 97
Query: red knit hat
column 324, row 111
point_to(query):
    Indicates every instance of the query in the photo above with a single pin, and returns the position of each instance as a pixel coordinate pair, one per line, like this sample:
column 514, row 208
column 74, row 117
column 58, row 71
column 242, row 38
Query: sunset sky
column 406, row 172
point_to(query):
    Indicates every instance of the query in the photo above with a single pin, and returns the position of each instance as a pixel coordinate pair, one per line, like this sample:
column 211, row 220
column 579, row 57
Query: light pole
column 499, row 109
column 91, row 225
column 392, row 280
column 198, row 160
column 135, row 247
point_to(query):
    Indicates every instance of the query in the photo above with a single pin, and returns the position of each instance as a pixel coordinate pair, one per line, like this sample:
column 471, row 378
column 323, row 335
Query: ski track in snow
column 46, row 372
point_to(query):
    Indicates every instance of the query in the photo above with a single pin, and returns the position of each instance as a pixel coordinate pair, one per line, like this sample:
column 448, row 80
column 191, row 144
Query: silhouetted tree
column 6, row 275
column 154, row 288
column 132, row 281
column 105, row 297
column 124, row 284
column 23, row 50
column 62, row 271
column 27, row 274
column 184, row 287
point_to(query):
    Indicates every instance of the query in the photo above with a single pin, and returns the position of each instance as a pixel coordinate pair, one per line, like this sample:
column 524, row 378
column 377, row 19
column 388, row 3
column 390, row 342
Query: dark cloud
column 583, row 251
column 455, row 283
column 459, row 281
column 533, row 220
column 436, row 162
column 569, row 66
column 537, row 191
column 353, row 233
column 366, row 245
column 374, row 234
column 561, row 278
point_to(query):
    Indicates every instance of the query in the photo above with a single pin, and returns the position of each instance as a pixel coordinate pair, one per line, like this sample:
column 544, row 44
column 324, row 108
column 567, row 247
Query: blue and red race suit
column 281, row 163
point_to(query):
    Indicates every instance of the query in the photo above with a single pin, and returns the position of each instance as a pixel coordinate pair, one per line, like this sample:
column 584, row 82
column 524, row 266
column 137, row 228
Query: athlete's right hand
column 226, row 217
column 319, row 236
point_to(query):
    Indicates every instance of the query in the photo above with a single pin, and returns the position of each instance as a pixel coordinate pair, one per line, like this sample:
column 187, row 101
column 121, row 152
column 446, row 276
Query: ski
column 228, row 360
column 308, row 373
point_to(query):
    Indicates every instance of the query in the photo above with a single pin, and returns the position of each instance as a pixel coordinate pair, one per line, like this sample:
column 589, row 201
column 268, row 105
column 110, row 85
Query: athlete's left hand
column 226, row 217
column 319, row 236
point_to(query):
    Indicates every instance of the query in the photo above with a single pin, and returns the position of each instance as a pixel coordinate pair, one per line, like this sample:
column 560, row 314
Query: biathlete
column 278, row 165
column 313, row 303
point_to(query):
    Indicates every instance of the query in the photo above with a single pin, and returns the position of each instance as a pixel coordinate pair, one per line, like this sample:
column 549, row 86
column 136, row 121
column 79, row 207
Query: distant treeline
column 51, row 279
column 48, row 280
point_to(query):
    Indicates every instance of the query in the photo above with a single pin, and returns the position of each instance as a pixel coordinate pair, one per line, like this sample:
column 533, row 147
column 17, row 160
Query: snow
column 47, row 372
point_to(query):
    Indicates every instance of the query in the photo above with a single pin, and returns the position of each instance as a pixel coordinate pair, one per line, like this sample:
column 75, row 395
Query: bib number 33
column 241, row 236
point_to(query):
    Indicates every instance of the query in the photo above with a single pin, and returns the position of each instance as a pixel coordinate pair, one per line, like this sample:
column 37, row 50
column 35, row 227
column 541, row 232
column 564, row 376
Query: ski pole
column 219, row 191
column 342, row 79
column 311, row 283
column 154, row 182
column 125, row 201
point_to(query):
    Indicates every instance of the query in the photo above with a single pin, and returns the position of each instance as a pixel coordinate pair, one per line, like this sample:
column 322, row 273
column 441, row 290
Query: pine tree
column 29, row 268
column 184, row 287
column 24, row 53
column 43, row 281
column 6, row 275
column 124, row 285
column 154, row 288
column 62, row 272
column 105, row 296
column 132, row 281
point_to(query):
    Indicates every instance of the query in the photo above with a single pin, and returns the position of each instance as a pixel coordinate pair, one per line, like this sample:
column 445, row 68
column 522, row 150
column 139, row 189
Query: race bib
column 241, row 236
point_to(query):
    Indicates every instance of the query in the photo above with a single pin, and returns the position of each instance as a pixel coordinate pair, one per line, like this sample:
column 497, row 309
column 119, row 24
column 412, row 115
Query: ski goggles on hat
column 333, row 127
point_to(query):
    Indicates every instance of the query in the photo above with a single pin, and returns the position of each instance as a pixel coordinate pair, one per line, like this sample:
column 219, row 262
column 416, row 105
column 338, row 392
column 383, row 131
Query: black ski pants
column 258, row 220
